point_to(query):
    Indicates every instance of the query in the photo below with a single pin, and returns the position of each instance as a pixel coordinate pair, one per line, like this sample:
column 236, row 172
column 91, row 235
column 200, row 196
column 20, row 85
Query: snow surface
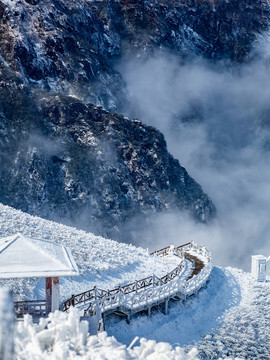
column 186, row 322
column 244, row 330
column 103, row 263
column 229, row 318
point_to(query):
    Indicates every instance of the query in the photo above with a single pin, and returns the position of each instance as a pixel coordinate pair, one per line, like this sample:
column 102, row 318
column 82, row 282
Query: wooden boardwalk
column 198, row 264
column 186, row 279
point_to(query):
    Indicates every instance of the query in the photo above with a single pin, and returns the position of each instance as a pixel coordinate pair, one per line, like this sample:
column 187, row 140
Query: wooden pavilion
column 25, row 257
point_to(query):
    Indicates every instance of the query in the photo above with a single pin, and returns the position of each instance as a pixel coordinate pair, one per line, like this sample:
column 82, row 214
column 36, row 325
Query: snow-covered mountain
column 66, row 160
column 67, row 70
column 73, row 162
column 71, row 46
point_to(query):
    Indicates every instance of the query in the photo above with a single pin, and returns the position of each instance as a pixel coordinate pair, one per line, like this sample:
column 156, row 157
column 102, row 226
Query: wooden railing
column 142, row 291
column 150, row 282
column 166, row 250
column 136, row 286
column 78, row 299
column 131, row 303
column 95, row 293
column 35, row 307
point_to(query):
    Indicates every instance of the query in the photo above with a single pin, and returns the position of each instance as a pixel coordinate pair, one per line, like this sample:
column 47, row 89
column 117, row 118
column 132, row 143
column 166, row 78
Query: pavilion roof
column 23, row 257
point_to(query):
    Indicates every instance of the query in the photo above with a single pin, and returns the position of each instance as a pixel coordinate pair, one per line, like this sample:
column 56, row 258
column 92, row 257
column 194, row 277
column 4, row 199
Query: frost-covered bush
column 6, row 324
column 64, row 337
column 60, row 335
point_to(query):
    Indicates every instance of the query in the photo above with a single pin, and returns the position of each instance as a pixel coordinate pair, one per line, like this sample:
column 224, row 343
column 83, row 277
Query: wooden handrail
column 160, row 250
column 30, row 307
column 158, row 281
column 126, row 289
column 29, row 301
column 163, row 250
column 181, row 246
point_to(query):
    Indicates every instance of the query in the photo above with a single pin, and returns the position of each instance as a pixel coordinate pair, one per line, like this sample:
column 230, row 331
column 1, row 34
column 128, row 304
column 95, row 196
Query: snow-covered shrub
column 64, row 337
column 60, row 335
column 7, row 318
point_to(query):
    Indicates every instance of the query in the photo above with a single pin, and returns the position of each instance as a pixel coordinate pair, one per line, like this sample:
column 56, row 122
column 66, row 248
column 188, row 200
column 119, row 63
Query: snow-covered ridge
column 102, row 262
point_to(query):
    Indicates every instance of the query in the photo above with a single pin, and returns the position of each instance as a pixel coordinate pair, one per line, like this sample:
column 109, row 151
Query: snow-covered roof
column 22, row 257
column 259, row 257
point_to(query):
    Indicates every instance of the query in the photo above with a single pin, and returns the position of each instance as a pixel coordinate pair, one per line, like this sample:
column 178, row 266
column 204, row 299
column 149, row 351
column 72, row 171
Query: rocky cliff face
column 71, row 46
column 75, row 162
column 66, row 159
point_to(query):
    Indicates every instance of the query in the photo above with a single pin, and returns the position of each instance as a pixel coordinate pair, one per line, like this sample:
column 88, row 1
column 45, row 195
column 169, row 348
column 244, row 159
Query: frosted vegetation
column 103, row 263
column 63, row 336
column 228, row 319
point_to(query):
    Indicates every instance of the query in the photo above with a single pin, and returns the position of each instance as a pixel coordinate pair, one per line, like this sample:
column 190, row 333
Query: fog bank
column 216, row 121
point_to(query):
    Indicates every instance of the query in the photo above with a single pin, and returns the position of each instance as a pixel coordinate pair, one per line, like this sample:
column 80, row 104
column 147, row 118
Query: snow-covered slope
column 227, row 320
column 230, row 317
column 244, row 330
column 101, row 262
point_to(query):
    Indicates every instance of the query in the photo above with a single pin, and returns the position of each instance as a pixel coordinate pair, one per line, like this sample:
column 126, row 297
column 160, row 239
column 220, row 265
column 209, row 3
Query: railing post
column 171, row 250
column 166, row 307
column 61, row 307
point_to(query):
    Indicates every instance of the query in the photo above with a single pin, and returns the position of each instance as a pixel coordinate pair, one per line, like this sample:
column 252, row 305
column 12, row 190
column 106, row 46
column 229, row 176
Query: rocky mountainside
column 65, row 159
column 76, row 162
column 71, row 46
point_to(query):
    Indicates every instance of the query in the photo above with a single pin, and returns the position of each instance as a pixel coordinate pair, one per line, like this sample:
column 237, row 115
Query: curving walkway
column 186, row 279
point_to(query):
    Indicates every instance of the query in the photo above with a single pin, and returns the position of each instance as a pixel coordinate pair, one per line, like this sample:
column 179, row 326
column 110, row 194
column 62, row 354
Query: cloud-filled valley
column 215, row 118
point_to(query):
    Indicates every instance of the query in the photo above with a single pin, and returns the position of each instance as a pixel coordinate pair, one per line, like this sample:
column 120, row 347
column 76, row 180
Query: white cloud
column 212, row 118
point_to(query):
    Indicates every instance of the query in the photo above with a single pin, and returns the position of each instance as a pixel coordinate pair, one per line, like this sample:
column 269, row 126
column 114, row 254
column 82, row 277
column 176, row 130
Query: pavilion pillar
column 52, row 294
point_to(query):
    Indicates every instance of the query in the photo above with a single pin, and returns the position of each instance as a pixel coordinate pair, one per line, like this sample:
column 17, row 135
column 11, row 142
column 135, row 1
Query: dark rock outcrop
column 72, row 46
column 65, row 160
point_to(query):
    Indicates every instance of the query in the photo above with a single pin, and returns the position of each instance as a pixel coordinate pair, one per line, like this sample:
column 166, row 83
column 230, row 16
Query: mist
column 216, row 121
